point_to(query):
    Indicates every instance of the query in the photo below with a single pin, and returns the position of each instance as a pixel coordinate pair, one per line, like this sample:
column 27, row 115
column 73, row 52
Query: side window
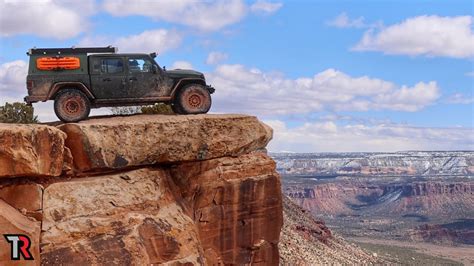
column 111, row 65
column 139, row 65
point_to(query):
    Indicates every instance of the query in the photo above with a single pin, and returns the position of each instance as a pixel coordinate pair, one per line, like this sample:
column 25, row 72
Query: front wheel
column 193, row 99
column 71, row 105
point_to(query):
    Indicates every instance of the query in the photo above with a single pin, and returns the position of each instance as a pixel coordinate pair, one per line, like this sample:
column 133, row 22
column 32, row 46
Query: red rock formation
column 31, row 150
column 131, row 217
column 121, row 142
column 236, row 205
column 430, row 198
column 144, row 190
column 26, row 197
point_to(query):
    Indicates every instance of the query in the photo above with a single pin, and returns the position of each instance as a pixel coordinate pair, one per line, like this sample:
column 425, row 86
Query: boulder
column 31, row 150
column 130, row 218
column 237, row 206
column 140, row 140
column 12, row 222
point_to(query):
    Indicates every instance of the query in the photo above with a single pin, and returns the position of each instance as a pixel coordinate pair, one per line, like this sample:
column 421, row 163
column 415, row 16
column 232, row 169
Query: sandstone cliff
column 142, row 190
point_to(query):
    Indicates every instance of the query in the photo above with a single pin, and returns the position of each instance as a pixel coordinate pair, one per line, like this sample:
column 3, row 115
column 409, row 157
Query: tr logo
column 20, row 246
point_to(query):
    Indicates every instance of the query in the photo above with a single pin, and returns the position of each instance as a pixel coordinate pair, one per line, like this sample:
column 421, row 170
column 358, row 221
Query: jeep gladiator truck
column 78, row 79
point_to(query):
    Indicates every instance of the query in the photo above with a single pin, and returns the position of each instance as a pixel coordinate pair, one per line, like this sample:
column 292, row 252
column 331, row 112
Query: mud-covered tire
column 193, row 99
column 71, row 105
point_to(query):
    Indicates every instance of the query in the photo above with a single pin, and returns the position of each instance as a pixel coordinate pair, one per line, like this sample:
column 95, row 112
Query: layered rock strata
column 142, row 190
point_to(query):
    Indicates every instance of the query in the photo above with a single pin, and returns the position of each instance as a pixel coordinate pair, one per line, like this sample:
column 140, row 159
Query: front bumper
column 210, row 89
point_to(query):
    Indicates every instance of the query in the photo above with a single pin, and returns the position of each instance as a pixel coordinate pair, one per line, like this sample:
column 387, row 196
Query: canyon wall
column 438, row 199
column 141, row 190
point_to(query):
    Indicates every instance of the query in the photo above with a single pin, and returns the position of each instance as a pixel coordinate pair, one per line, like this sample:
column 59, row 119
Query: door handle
column 107, row 79
column 132, row 78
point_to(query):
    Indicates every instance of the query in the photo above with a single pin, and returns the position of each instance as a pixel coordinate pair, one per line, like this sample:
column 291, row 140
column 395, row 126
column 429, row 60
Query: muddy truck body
column 78, row 79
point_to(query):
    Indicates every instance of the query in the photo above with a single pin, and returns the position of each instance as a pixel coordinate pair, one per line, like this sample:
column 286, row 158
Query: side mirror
column 154, row 69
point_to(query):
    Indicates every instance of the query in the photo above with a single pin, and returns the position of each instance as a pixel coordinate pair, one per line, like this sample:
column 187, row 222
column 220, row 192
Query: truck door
column 108, row 77
column 142, row 82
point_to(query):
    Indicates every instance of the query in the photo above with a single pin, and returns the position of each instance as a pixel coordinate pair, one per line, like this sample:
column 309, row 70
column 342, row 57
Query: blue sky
column 326, row 75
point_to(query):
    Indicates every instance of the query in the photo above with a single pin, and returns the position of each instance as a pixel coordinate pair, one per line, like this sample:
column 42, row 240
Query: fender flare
column 57, row 87
column 183, row 82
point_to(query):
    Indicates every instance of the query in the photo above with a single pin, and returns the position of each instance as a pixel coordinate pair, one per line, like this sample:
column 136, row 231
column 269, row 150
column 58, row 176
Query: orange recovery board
column 56, row 63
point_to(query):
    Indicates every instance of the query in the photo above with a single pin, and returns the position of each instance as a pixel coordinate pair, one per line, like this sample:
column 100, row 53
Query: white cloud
column 215, row 58
column 265, row 7
column 182, row 65
column 158, row 40
column 13, row 80
column 343, row 21
column 204, row 15
column 459, row 98
column 470, row 74
column 423, row 35
column 330, row 137
column 409, row 99
column 239, row 89
column 45, row 18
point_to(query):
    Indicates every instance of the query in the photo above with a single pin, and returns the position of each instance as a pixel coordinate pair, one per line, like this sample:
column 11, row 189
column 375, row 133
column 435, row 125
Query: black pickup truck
column 78, row 79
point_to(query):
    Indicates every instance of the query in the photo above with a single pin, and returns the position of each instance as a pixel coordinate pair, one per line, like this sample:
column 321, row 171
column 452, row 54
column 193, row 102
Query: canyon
column 406, row 196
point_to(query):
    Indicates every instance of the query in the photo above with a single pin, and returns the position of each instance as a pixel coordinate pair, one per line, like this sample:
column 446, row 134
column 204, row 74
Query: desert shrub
column 17, row 112
column 126, row 110
column 157, row 108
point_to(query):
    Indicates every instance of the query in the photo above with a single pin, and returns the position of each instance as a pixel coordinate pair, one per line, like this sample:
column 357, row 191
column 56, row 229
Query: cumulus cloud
column 265, row 7
column 423, row 35
column 158, row 40
column 240, row 89
column 329, row 137
column 204, row 15
column 13, row 80
column 45, row 18
column 215, row 58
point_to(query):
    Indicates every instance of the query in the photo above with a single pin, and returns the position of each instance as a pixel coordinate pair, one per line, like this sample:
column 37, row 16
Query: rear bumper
column 33, row 99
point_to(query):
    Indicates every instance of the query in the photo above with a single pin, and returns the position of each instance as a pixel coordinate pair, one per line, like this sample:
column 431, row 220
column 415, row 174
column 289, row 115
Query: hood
column 184, row 73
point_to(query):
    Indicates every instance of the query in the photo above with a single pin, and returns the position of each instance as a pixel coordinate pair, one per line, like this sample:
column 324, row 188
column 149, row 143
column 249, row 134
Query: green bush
column 20, row 113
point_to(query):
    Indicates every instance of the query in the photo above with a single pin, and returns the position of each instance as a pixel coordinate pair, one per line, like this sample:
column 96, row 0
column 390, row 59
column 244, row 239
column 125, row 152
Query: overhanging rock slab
column 122, row 142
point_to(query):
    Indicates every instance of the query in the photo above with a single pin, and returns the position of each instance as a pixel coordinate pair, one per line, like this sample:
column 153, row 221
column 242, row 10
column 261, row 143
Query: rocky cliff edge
column 142, row 190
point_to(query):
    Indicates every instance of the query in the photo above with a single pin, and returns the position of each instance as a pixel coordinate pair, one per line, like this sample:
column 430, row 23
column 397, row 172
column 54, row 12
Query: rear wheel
column 71, row 105
column 192, row 99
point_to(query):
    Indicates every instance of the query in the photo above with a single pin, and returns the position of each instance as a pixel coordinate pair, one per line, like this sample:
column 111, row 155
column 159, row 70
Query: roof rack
column 72, row 50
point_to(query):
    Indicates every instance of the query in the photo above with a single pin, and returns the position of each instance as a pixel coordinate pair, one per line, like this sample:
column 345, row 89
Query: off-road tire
column 71, row 105
column 192, row 99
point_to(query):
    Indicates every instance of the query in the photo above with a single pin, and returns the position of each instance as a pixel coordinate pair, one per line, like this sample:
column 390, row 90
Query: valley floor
column 415, row 253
